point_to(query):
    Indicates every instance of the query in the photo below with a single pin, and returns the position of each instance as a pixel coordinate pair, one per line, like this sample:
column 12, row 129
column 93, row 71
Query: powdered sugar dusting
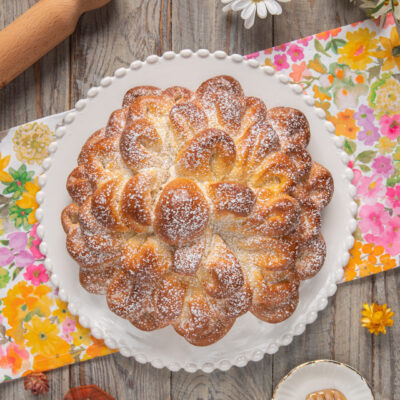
column 192, row 208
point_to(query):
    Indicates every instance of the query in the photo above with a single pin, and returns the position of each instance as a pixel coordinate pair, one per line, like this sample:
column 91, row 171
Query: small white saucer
column 323, row 374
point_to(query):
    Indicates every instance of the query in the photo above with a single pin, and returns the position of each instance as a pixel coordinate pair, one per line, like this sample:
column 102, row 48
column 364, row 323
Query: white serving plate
column 323, row 374
column 250, row 338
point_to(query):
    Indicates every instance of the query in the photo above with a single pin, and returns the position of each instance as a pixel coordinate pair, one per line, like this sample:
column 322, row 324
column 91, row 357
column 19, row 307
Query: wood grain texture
column 114, row 36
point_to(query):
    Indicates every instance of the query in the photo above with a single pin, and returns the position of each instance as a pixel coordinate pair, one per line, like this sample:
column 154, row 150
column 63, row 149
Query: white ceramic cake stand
column 249, row 338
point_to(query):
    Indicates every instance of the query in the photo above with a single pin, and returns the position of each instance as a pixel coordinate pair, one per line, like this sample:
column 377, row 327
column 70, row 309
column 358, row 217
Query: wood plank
column 386, row 348
column 301, row 18
column 112, row 37
column 122, row 378
column 17, row 100
column 353, row 344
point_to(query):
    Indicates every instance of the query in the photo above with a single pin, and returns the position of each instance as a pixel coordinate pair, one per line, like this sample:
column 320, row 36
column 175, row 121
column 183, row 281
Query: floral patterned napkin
column 351, row 74
column 37, row 332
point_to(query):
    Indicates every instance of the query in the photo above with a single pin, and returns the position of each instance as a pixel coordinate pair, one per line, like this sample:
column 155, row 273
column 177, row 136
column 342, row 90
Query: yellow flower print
column 43, row 362
column 21, row 303
column 268, row 63
column 385, row 145
column 345, row 124
column 4, row 175
column 81, row 336
column 367, row 259
column 28, row 199
column 1, row 227
column 31, row 142
column 42, row 337
column 357, row 53
column 386, row 98
column 388, row 43
column 97, row 349
column 319, row 94
column 62, row 311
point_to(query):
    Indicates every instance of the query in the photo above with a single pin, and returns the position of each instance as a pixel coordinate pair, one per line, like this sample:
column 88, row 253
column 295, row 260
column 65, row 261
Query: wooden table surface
column 116, row 35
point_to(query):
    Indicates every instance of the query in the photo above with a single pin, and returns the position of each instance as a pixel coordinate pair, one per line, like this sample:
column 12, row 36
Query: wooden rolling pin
column 36, row 32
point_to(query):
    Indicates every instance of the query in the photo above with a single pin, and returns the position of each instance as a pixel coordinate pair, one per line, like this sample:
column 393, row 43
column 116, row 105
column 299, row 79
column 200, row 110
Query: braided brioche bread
column 191, row 208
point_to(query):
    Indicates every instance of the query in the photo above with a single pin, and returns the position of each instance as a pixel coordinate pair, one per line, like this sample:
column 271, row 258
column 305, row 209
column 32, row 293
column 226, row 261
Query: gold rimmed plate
column 317, row 375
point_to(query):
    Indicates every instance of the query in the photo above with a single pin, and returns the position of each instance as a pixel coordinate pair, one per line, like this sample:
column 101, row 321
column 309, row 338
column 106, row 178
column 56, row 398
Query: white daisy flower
column 249, row 9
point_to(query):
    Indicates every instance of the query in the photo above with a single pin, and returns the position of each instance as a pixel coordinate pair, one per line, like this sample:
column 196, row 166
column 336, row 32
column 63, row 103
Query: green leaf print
column 4, row 277
column 365, row 168
column 350, row 147
column 336, row 43
column 366, row 156
column 320, row 48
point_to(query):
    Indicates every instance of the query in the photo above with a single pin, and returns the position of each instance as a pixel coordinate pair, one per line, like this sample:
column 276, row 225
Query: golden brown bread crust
column 192, row 208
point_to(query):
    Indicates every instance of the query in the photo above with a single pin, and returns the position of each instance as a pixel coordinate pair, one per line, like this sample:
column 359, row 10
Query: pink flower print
column 281, row 47
column 368, row 135
column 15, row 252
column 253, row 55
column 8, row 358
column 36, row 274
column 67, row 337
column 295, row 52
column 304, row 41
column 370, row 188
column 383, row 166
column 390, row 239
column 34, row 249
column 364, row 116
column 68, row 325
column 373, row 218
column 280, row 61
column 390, row 126
column 357, row 175
column 393, row 198
column 299, row 71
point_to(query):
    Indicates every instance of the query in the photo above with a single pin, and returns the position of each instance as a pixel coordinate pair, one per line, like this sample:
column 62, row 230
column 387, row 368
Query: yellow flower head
column 376, row 318
column 358, row 51
column 62, row 311
column 390, row 61
column 42, row 336
column 345, row 124
column 385, row 145
column 4, row 176
column 31, row 142
column 21, row 303
column 387, row 98
column 28, row 199
column 81, row 336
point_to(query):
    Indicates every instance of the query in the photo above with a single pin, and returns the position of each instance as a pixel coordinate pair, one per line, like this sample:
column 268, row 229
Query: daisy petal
column 250, row 20
column 227, row 8
column 248, row 11
column 226, row 1
column 262, row 9
column 240, row 4
column 273, row 7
